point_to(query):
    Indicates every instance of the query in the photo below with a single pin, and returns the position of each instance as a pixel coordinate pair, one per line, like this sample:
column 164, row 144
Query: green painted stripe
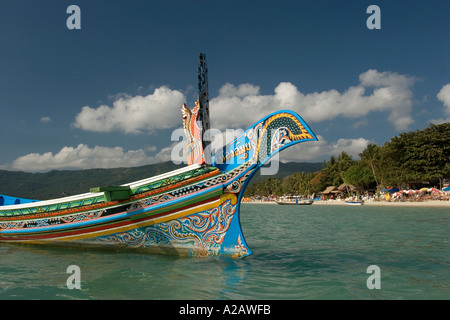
column 99, row 199
column 206, row 196
column 150, row 213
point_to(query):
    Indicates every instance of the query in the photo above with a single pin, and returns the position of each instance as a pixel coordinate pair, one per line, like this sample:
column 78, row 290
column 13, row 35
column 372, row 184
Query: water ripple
column 317, row 252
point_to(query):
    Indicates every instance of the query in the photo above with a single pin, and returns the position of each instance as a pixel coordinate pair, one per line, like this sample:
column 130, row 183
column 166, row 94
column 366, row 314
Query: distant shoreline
column 425, row 203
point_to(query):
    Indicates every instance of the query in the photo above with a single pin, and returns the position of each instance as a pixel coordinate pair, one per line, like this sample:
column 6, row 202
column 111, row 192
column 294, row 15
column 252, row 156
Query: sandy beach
column 425, row 203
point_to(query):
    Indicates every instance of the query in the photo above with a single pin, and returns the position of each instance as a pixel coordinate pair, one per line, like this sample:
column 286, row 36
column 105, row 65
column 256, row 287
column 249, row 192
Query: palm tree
column 335, row 168
column 331, row 171
column 371, row 155
column 344, row 161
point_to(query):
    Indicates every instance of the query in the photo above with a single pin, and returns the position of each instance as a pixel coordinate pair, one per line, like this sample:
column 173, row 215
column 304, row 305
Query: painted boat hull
column 188, row 217
column 193, row 211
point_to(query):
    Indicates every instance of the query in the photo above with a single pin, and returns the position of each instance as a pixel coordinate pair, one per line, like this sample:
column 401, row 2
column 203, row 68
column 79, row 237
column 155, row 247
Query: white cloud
column 377, row 91
column 160, row 110
column 352, row 146
column 235, row 107
column 322, row 150
column 84, row 157
column 45, row 120
column 391, row 93
column 444, row 97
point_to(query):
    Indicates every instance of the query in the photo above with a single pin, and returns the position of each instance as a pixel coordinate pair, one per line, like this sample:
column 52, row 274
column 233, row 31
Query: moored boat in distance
column 190, row 211
column 293, row 200
column 354, row 202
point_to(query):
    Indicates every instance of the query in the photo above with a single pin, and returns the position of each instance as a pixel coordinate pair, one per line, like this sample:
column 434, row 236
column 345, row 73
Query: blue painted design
column 209, row 232
column 265, row 138
column 8, row 200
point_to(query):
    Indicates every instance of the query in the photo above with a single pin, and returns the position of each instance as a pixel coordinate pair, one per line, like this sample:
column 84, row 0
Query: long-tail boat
column 190, row 211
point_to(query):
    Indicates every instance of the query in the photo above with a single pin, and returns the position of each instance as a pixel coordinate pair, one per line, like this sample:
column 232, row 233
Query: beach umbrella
column 424, row 189
column 397, row 194
column 433, row 190
column 446, row 189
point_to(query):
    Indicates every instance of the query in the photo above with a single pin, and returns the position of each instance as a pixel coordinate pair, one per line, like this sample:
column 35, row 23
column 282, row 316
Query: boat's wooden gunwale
column 43, row 210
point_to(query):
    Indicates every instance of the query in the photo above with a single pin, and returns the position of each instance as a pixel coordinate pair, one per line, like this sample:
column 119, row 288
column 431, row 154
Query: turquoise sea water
column 299, row 252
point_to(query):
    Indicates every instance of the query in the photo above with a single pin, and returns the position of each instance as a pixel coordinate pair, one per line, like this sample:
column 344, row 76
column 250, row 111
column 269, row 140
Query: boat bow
column 194, row 210
column 262, row 141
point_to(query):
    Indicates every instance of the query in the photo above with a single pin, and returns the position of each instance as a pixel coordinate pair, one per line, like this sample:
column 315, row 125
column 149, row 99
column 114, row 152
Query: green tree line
column 409, row 158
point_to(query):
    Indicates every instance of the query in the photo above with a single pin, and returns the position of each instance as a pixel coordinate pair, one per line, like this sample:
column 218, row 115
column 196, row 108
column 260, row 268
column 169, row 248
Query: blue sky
column 110, row 93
